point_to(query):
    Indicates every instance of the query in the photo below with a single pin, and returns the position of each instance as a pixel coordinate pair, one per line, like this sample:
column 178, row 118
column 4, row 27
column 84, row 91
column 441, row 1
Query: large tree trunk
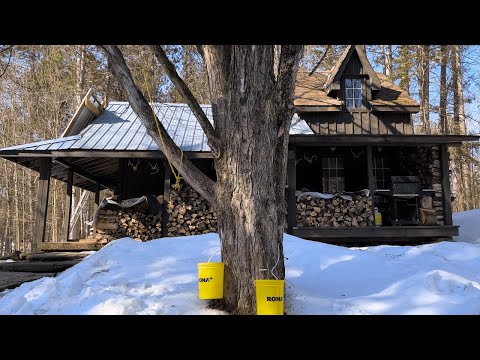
column 250, row 217
column 252, row 110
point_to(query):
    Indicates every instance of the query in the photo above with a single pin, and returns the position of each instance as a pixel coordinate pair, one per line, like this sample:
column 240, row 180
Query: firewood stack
column 189, row 213
column 335, row 212
column 131, row 222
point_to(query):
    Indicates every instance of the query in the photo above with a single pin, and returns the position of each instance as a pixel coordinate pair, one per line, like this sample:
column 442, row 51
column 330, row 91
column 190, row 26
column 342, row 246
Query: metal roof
column 119, row 128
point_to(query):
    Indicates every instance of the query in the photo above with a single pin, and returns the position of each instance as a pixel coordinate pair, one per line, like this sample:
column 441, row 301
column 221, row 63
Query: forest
column 41, row 87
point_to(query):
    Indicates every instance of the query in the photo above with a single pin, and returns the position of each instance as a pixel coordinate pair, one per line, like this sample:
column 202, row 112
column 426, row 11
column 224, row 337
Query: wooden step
column 38, row 266
column 71, row 246
column 56, row 256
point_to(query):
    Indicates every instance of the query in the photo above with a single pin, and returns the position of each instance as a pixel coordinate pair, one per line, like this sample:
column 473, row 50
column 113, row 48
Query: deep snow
column 160, row 277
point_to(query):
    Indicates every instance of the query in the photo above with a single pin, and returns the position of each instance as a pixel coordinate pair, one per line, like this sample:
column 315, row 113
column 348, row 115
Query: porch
column 350, row 163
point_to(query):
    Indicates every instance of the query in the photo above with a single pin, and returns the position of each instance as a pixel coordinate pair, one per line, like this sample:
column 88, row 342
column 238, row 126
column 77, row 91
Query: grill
column 407, row 186
column 405, row 191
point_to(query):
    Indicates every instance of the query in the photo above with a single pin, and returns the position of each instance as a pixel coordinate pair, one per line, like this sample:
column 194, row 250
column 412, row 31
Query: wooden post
column 121, row 182
column 447, row 197
column 68, row 205
column 166, row 198
column 292, row 187
column 42, row 203
column 97, row 195
column 372, row 185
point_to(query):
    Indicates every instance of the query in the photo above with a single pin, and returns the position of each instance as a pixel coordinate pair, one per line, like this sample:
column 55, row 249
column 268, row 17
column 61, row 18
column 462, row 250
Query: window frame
column 333, row 172
column 383, row 170
column 354, row 79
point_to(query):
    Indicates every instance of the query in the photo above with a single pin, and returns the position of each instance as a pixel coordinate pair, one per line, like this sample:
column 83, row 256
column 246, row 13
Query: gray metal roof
column 119, row 128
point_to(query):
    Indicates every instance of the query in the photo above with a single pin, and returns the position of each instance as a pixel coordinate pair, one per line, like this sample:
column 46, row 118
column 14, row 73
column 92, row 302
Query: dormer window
column 353, row 93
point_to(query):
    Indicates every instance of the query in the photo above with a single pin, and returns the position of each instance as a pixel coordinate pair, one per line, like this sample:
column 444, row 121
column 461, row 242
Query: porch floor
column 377, row 234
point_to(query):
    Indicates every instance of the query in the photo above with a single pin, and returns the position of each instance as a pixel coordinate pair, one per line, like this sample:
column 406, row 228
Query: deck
column 372, row 235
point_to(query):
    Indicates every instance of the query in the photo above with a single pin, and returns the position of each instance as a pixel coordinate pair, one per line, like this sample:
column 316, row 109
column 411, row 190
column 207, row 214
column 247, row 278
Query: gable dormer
column 353, row 79
column 352, row 98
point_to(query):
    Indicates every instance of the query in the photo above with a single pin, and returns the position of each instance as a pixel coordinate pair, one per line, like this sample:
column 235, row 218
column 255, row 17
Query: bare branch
column 320, row 61
column 187, row 95
column 196, row 178
column 8, row 62
column 287, row 75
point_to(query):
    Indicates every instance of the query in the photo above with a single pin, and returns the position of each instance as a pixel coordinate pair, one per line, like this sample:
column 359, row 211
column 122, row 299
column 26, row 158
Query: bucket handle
column 216, row 252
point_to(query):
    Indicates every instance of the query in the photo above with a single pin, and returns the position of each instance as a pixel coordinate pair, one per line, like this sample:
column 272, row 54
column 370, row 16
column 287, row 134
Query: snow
column 160, row 277
column 469, row 226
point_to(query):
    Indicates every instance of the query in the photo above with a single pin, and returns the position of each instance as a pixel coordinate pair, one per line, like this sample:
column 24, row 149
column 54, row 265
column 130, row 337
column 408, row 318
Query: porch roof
column 385, row 140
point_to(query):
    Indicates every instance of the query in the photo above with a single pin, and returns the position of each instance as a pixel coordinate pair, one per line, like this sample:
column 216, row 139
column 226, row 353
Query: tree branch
column 187, row 95
column 196, row 178
column 287, row 75
column 320, row 61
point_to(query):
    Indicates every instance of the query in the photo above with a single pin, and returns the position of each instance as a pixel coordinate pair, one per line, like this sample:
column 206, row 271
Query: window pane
column 348, row 83
column 349, row 103
column 358, row 102
column 325, row 162
column 349, row 93
column 357, row 83
column 357, row 93
column 340, row 163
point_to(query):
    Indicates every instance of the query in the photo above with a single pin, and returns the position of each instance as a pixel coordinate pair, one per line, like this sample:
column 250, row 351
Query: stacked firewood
column 189, row 213
column 134, row 223
column 336, row 212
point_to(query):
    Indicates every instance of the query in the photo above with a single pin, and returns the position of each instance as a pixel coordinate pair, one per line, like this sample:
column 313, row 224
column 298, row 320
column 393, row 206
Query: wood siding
column 359, row 122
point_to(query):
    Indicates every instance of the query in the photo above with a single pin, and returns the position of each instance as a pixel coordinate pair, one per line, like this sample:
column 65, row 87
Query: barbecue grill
column 405, row 191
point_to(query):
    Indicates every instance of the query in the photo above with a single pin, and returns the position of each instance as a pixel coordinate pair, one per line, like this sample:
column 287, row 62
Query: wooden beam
column 166, row 198
column 292, row 187
column 396, row 108
column 42, row 203
column 143, row 154
column 105, row 183
column 379, row 232
column 71, row 246
column 68, row 204
column 122, row 173
column 314, row 108
column 447, row 199
column 372, row 186
column 385, row 140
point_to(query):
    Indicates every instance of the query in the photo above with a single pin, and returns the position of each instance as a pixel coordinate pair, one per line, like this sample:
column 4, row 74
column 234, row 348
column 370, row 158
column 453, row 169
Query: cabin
column 352, row 155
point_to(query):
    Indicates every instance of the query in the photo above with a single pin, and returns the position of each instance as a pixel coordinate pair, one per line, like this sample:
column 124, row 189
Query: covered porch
column 332, row 164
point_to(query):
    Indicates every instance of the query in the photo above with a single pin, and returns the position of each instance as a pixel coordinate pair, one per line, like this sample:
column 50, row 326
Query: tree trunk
column 424, row 85
column 252, row 111
column 387, row 60
column 250, row 218
column 79, row 89
column 404, row 67
column 463, row 174
column 443, row 91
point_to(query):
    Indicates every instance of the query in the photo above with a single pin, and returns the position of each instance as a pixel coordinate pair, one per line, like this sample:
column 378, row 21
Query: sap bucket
column 269, row 294
column 210, row 280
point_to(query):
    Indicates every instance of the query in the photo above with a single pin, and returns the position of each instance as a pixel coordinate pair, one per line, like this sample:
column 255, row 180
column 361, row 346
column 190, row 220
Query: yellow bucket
column 210, row 280
column 269, row 295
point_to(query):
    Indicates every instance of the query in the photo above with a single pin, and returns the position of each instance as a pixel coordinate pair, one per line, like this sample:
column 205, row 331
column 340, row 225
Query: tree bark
column 80, row 83
column 443, row 90
column 424, row 87
column 404, row 67
column 387, row 60
column 251, row 112
column 463, row 173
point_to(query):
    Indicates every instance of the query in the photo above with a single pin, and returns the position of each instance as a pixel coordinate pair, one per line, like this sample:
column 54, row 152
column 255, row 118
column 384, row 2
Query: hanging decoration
column 134, row 167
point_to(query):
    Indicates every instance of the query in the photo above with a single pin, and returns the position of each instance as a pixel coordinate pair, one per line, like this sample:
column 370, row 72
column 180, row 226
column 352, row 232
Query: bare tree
column 252, row 112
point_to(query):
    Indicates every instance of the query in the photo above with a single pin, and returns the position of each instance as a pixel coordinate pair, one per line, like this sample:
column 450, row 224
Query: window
column 381, row 172
column 333, row 177
column 353, row 93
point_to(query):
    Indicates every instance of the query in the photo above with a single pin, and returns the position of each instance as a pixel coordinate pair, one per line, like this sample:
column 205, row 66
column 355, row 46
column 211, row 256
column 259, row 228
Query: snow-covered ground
column 160, row 277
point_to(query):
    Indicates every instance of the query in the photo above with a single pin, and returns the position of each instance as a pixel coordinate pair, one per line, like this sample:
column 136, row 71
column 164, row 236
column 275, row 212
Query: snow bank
column 469, row 222
column 160, row 277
